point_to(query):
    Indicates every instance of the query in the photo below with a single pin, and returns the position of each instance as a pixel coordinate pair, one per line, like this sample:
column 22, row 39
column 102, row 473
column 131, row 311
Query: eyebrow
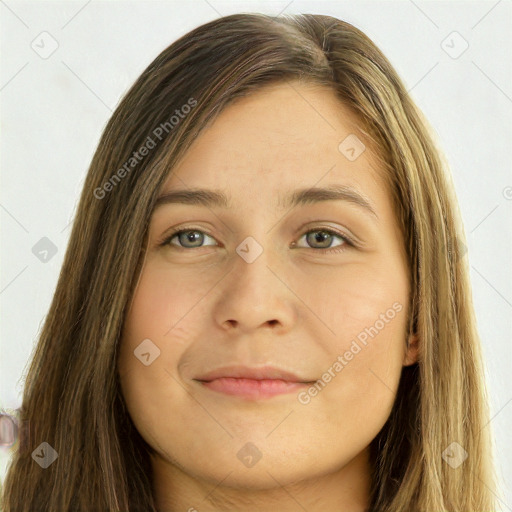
column 212, row 198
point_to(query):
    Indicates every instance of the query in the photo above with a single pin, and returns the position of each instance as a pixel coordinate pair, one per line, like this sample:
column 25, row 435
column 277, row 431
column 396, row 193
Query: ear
column 412, row 351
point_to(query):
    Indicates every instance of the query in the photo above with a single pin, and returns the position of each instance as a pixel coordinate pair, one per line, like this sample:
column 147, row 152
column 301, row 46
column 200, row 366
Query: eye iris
column 319, row 236
column 190, row 236
column 194, row 238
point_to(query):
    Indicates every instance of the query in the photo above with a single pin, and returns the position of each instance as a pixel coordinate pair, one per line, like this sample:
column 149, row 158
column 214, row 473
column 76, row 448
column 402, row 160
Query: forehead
column 280, row 138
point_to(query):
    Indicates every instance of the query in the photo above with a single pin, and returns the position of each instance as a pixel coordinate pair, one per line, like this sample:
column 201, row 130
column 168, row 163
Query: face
column 268, row 337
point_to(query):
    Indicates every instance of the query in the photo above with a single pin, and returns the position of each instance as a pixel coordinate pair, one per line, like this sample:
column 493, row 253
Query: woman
column 202, row 352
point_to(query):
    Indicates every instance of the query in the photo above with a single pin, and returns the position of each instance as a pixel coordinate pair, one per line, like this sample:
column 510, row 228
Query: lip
column 252, row 383
column 254, row 373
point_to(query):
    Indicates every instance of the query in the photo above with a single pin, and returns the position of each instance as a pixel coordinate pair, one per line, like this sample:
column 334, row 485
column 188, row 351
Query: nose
column 256, row 293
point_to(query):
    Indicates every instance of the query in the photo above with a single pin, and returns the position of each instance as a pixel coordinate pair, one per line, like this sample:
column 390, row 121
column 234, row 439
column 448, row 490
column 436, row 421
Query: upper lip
column 256, row 373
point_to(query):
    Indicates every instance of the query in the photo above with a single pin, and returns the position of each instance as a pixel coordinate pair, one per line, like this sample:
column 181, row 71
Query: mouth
column 252, row 383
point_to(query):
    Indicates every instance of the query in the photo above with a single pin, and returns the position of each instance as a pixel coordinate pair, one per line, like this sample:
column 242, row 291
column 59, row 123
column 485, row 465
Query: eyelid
column 167, row 237
column 343, row 233
column 348, row 240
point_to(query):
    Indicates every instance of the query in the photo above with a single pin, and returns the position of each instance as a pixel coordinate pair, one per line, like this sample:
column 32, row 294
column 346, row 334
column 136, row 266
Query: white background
column 54, row 109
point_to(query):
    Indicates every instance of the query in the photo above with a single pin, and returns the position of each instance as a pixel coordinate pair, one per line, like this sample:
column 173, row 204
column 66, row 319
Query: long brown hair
column 72, row 396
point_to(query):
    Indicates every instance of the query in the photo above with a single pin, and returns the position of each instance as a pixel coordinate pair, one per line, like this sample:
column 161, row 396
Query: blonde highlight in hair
column 72, row 397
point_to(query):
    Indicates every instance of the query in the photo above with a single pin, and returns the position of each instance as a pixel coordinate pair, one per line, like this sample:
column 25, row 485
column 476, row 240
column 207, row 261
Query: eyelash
column 340, row 248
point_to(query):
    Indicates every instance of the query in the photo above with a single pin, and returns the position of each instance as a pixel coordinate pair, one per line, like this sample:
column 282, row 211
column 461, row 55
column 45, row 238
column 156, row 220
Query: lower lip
column 252, row 388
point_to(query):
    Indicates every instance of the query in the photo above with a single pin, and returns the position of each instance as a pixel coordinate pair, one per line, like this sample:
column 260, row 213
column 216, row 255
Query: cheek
column 366, row 311
column 160, row 304
column 153, row 340
column 355, row 394
column 149, row 389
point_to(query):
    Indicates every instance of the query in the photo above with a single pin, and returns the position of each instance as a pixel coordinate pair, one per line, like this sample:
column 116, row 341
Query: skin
column 295, row 307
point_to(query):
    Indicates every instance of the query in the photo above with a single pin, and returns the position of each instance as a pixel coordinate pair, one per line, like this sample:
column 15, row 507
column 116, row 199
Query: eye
column 193, row 239
column 324, row 237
